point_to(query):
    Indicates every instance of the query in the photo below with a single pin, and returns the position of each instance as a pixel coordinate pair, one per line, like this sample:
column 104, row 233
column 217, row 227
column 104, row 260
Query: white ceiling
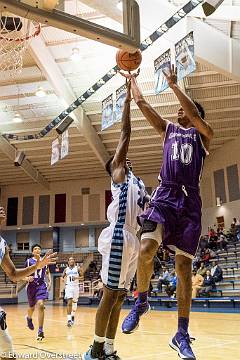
column 218, row 91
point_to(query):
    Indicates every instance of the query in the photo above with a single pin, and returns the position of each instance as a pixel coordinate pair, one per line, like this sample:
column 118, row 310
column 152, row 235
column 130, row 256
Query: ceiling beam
column 106, row 7
column 46, row 62
column 26, row 166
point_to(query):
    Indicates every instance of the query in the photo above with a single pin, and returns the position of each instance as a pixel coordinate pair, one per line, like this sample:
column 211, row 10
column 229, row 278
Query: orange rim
column 22, row 39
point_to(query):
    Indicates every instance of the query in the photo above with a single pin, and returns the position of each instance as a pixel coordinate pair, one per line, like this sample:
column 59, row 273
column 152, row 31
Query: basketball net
column 15, row 35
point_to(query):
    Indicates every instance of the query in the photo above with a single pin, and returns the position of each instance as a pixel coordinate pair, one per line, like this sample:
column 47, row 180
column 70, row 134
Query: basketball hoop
column 15, row 35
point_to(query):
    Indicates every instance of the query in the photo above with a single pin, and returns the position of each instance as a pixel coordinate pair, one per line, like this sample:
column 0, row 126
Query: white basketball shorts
column 119, row 248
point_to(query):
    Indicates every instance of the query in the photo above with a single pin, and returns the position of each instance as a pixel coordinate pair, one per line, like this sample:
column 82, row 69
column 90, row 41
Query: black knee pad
column 148, row 226
column 3, row 320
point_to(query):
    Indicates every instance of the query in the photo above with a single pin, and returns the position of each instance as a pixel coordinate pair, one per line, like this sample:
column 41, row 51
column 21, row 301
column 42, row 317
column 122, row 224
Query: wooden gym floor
column 217, row 335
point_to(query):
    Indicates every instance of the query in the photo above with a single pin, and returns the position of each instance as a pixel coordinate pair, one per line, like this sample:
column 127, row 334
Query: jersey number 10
column 183, row 152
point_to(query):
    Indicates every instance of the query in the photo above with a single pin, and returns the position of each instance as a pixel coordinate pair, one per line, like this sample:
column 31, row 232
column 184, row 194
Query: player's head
column 183, row 120
column 71, row 261
column 108, row 165
column 36, row 249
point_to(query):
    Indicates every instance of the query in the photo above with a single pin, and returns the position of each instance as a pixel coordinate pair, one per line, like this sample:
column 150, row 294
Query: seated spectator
column 164, row 279
column 222, row 241
column 212, row 241
column 208, row 284
column 202, row 270
column 206, row 256
column 98, row 290
column 197, row 281
column 172, row 286
column 216, row 272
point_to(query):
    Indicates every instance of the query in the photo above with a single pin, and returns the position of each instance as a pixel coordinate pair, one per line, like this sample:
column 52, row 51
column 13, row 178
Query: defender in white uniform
column 118, row 243
column 6, row 348
column 72, row 274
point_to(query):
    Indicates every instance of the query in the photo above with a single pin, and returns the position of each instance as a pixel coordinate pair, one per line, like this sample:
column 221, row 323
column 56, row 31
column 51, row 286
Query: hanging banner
column 65, row 144
column 121, row 94
column 107, row 112
column 184, row 52
column 55, row 152
column 163, row 62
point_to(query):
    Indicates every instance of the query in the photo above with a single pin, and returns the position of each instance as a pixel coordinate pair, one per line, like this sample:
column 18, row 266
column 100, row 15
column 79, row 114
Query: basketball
column 128, row 61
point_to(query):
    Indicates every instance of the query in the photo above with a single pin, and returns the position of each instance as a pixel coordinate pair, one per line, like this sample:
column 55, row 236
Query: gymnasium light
column 17, row 118
column 40, row 92
column 120, row 5
column 75, row 56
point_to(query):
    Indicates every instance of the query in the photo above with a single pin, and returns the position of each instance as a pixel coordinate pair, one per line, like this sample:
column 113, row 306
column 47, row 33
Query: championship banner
column 184, row 52
column 64, row 144
column 55, row 152
column 163, row 62
column 121, row 94
column 107, row 112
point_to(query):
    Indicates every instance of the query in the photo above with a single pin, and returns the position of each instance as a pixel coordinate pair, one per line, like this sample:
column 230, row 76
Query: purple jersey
column 39, row 275
column 183, row 156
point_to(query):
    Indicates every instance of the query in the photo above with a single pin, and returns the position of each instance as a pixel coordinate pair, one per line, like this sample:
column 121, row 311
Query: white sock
column 99, row 339
column 74, row 307
column 109, row 346
column 69, row 317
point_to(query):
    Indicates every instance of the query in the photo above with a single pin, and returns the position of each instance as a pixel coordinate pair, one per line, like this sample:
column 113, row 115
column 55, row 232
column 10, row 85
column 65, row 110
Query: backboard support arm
column 129, row 40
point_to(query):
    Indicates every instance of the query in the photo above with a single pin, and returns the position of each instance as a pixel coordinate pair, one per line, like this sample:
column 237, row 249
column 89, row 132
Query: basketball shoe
column 69, row 323
column 131, row 322
column 40, row 336
column 112, row 356
column 181, row 343
column 29, row 323
column 88, row 356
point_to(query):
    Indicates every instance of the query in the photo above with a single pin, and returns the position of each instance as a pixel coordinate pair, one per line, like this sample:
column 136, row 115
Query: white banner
column 163, row 62
column 65, row 144
column 55, row 152
column 184, row 50
column 107, row 112
column 121, row 94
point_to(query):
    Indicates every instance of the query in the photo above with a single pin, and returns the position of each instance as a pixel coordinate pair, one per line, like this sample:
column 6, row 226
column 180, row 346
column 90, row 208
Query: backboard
column 59, row 14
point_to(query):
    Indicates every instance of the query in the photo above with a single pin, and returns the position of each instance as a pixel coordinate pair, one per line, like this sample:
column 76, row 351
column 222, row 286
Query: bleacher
column 227, row 292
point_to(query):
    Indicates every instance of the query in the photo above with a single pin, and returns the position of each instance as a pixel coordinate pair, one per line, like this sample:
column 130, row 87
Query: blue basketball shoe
column 88, row 355
column 29, row 323
column 181, row 343
column 131, row 322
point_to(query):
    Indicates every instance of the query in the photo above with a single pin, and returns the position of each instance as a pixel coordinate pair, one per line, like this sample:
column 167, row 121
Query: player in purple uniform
column 174, row 213
column 6, row 348
column 37, row 291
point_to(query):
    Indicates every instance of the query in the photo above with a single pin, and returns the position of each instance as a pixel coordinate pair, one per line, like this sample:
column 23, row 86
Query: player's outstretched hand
column 171, row 76
column 49, row 259
column 2, row 215
column 129, row 76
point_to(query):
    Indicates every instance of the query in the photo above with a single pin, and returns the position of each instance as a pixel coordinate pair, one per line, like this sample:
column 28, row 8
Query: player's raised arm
column 188, row 106
column 148, row 111
column 118, row 167
column 19, row 274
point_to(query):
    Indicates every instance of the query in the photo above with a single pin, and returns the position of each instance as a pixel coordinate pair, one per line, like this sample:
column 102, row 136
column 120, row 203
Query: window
column 12, row 211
